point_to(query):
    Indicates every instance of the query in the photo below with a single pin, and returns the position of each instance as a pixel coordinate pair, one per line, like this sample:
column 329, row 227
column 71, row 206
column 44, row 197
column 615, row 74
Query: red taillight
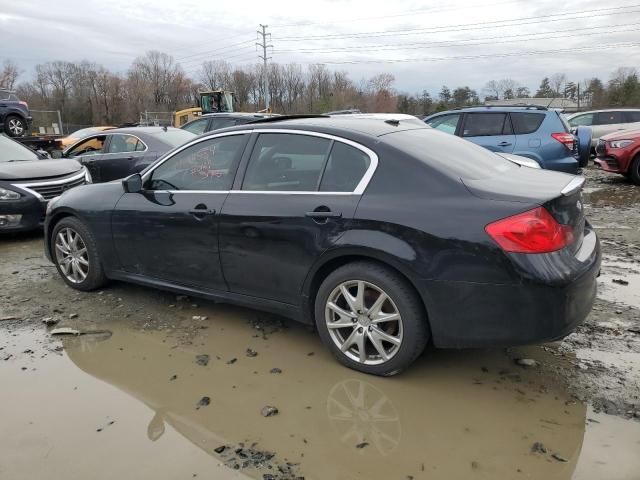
column 26, row 105
column 534, row 231
column 566, row 139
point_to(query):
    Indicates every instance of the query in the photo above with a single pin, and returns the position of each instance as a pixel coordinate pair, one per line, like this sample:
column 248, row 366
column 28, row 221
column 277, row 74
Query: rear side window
column 524, row 123
column 607, row 118
column 286, row 162
column 345, row 168
column 445, row 123
column 632, row 117
column 124, row 143
column 485, row 124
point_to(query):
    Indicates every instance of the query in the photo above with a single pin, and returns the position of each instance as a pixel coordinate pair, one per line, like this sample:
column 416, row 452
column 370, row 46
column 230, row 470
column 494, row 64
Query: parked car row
column 385, row 234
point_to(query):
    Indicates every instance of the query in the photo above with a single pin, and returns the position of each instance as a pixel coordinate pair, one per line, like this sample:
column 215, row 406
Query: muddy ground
column 166, row 387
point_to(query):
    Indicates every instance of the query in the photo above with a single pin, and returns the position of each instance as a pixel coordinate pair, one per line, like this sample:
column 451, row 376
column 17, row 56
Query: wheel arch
column 336, row 258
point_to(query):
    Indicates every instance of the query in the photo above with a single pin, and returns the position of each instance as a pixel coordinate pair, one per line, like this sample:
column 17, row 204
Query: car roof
column 372, row 127
column 139, row 130
column 489, row 108
column 238, row 115
column 605, row 110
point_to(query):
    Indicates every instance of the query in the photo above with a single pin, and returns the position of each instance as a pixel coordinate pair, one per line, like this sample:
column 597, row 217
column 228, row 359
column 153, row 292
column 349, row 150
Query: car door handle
column 201, row 211
column 321, row 214
column 504, row 144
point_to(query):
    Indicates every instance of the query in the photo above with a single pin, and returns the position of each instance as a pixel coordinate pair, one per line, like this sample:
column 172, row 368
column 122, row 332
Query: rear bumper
column 568, row 164
column 465, row 314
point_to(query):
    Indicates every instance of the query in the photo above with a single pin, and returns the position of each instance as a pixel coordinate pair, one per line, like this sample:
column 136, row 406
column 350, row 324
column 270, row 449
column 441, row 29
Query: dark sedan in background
column 117, row 153
column 28, row 180
column 216, row 121
column 387, row 235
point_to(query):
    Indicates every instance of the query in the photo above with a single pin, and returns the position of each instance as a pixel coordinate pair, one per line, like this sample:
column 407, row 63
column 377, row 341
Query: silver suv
column 603, row 122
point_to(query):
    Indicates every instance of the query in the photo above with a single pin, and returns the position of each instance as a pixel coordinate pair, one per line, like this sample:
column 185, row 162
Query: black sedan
column 386, row 236
column 28, row 180
column 216, row 121
column 117, row 153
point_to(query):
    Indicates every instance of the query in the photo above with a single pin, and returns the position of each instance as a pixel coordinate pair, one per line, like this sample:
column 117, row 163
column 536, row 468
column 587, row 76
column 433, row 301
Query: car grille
column 49, row 189
column 600, row 147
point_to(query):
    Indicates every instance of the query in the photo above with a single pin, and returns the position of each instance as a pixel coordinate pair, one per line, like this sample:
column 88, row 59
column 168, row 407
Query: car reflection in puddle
column 452, row 414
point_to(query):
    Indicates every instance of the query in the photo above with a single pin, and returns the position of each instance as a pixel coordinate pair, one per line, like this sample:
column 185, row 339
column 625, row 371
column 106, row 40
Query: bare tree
column 215, row 74
column 557, row 82
column 9, row 74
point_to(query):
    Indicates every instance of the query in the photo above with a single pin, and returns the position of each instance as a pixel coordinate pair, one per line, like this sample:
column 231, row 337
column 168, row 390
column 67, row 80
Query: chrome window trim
column 27, row 186
column 359, row 190
column 146, row 147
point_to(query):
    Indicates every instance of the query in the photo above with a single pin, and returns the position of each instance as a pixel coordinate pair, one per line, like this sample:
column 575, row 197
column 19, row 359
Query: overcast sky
column 424, row 44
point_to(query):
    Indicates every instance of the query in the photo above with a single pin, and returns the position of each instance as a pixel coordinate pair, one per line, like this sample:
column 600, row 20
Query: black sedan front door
column 298, row 195
column 170, row 230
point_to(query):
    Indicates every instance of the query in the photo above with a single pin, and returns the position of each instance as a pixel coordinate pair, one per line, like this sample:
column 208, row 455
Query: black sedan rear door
column 298, row 195
column 121, row 155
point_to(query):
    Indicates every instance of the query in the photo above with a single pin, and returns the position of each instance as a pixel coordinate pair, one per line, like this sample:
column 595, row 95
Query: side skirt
column 291, row 311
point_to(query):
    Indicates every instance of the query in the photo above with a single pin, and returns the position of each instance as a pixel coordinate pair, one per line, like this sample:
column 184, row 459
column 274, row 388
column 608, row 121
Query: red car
column 619, row 152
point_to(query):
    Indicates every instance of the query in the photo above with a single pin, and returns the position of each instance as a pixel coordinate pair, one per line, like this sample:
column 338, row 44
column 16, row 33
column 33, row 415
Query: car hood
column 622, row 135
column 37, row 169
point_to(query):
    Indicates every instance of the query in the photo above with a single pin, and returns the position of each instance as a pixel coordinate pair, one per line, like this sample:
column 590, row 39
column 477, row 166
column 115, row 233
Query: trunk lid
column 559, row 193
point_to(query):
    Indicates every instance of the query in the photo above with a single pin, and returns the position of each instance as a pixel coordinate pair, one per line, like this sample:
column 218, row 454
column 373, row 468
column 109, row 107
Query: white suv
column 603, row 122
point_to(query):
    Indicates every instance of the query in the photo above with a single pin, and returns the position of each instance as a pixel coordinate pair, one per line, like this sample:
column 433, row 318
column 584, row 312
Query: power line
column 453, row 43
column 405, row 14
column 468, row 26
column 209, row 52
column 484, row 56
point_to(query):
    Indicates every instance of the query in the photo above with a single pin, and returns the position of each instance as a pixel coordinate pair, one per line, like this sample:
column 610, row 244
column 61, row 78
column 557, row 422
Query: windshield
column 174, row 136
column 11, row 150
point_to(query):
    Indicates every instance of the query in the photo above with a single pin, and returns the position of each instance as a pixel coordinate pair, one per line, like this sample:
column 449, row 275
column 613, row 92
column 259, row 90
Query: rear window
column 449, row 154
column 174, row 136
column 484, row 124
column 526, row 122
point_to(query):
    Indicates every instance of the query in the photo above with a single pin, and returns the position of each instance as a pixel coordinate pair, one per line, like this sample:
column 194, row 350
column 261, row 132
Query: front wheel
column 371, row 318
column 75, row 255
column 634, row 170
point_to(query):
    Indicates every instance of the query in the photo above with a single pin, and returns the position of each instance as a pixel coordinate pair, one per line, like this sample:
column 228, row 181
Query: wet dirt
column 129, row 403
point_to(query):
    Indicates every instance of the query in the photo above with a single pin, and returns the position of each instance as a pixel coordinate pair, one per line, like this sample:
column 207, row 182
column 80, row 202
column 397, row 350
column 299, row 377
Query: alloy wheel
column 16, row 127
column 363, row 322
column 72, row 255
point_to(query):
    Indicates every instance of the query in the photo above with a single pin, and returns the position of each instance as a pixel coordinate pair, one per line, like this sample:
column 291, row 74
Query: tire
column 63, row 243
column 15, row 126
column 634, row 170
column 410, row 333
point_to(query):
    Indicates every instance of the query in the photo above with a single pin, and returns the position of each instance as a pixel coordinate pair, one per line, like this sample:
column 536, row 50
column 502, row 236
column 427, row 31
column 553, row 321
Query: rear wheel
column 76, row 256
column 14, row 126
column 634, row 170
column 371, row 318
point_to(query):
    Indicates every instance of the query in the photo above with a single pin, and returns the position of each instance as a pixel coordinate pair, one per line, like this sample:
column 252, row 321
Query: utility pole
column 263, row 33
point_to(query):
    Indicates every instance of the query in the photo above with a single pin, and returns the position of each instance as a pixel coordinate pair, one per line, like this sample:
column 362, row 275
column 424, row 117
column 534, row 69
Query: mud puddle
column 620, row 282
column 129, row 406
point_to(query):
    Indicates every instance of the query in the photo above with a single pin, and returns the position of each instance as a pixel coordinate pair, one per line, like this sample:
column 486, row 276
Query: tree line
column 86, row 93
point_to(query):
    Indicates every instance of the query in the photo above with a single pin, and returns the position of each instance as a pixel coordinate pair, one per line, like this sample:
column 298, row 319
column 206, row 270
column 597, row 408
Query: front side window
column 345, row 168
column 90, row 146
column 197, row 126
column 524, row 123
column 582, row 120
column 607, row 118
column 207, row 165
column 286, row 162
column 485, row 124
column 124, row 143
column 445, row 123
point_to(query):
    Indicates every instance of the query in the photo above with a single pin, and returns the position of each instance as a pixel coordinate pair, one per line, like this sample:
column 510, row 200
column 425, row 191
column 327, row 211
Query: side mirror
column 133, row 183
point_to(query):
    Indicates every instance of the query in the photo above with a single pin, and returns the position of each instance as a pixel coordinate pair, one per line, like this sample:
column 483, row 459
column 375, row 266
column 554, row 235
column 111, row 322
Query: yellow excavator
column 213, row 101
